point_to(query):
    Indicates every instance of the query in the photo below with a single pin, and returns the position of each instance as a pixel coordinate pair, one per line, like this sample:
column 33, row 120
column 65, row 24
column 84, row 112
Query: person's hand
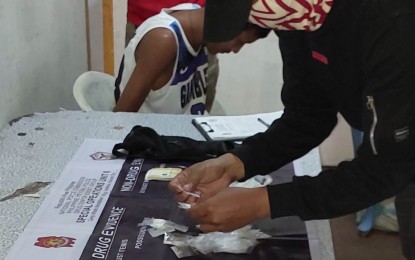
column 207, row 178
column 231, row 209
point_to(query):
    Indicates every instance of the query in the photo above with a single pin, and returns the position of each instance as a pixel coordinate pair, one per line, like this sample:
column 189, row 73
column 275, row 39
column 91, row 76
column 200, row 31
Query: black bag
column 144, row 142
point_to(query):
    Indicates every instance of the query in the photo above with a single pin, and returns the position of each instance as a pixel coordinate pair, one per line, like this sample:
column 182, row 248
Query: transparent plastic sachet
column 180, row 244
column 239, row 241
column 161, row 226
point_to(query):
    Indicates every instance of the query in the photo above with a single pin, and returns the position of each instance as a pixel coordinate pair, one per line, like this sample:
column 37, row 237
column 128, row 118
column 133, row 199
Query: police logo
column 55, row 242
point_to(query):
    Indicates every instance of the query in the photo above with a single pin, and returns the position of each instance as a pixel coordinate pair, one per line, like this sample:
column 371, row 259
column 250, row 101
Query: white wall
column 251, row 81
column 339, row 146
column 42, row 52
column 96, row 34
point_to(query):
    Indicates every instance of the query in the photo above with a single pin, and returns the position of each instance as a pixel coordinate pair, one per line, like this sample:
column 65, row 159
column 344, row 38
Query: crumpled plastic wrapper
column 240, row 241
column 161, row 226
column 254, row 182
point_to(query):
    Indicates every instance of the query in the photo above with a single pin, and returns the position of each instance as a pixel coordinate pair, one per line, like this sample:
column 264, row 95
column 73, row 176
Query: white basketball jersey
column 185, row 93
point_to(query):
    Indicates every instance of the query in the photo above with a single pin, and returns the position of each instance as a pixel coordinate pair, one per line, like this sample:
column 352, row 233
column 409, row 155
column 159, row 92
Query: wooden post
column 88, row 37
column 108, row 25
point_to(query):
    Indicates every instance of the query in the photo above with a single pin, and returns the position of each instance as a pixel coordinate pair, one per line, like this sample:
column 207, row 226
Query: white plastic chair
column 94, row 91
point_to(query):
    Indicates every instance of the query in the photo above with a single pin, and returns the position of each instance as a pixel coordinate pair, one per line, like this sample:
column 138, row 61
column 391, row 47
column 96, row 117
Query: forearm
column 232, row 166
column 351, row 187
column 132, row 97
column 285, row 141
column 127, row 106
column 263, row 209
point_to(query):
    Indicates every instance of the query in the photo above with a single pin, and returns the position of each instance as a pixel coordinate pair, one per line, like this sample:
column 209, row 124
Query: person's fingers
column 187, row 198
column 206, row 228
column 206, row 221
column 186, row 180
column 229, row 209
column 182, row 183
column 199, row 211
column 174, row 185
column 182, row 197
column 193, row 176
column 192, row 200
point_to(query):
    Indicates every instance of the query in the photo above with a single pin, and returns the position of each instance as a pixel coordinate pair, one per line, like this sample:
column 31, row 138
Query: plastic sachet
column 161, row 226
column 184, row 205
column 254, row 182
column 155, row 232
column 176, row 239
column 240, row 241
column 181, row 252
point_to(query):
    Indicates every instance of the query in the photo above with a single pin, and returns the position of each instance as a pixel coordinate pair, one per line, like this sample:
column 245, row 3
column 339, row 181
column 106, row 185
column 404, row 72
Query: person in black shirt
column 350, row 57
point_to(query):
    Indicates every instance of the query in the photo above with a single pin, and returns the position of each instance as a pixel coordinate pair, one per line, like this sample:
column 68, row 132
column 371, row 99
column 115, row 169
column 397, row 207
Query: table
column 37, row 148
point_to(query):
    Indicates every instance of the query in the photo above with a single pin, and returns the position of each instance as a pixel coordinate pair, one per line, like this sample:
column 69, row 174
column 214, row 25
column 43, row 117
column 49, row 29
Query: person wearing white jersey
column 164, row 66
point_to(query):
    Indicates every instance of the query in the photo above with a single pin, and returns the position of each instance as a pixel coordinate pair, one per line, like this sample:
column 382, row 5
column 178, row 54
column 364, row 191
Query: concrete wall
column 42, row 52
column 96, row 34
column 251, row 80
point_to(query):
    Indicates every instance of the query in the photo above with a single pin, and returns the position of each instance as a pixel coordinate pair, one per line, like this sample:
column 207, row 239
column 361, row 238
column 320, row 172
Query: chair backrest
column 94, row 91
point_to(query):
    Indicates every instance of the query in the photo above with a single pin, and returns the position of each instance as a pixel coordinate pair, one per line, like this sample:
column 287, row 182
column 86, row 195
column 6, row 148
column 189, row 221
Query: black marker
column 263, row 122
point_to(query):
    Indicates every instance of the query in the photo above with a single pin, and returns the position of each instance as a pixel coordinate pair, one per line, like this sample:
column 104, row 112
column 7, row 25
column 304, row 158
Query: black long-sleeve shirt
column 360, row 63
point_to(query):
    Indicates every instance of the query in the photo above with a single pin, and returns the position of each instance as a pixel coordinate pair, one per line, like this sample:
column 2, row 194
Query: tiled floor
column 348, row 245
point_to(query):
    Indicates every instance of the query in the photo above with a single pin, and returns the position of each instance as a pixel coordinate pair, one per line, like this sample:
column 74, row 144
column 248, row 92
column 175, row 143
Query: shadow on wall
column 250, row 81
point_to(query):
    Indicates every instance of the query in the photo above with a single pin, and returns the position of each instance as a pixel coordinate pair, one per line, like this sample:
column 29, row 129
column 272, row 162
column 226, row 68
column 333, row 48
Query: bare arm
column 155, row 56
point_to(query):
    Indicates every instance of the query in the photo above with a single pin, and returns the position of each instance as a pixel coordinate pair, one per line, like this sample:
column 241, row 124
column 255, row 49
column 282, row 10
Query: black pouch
column 145, row 142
